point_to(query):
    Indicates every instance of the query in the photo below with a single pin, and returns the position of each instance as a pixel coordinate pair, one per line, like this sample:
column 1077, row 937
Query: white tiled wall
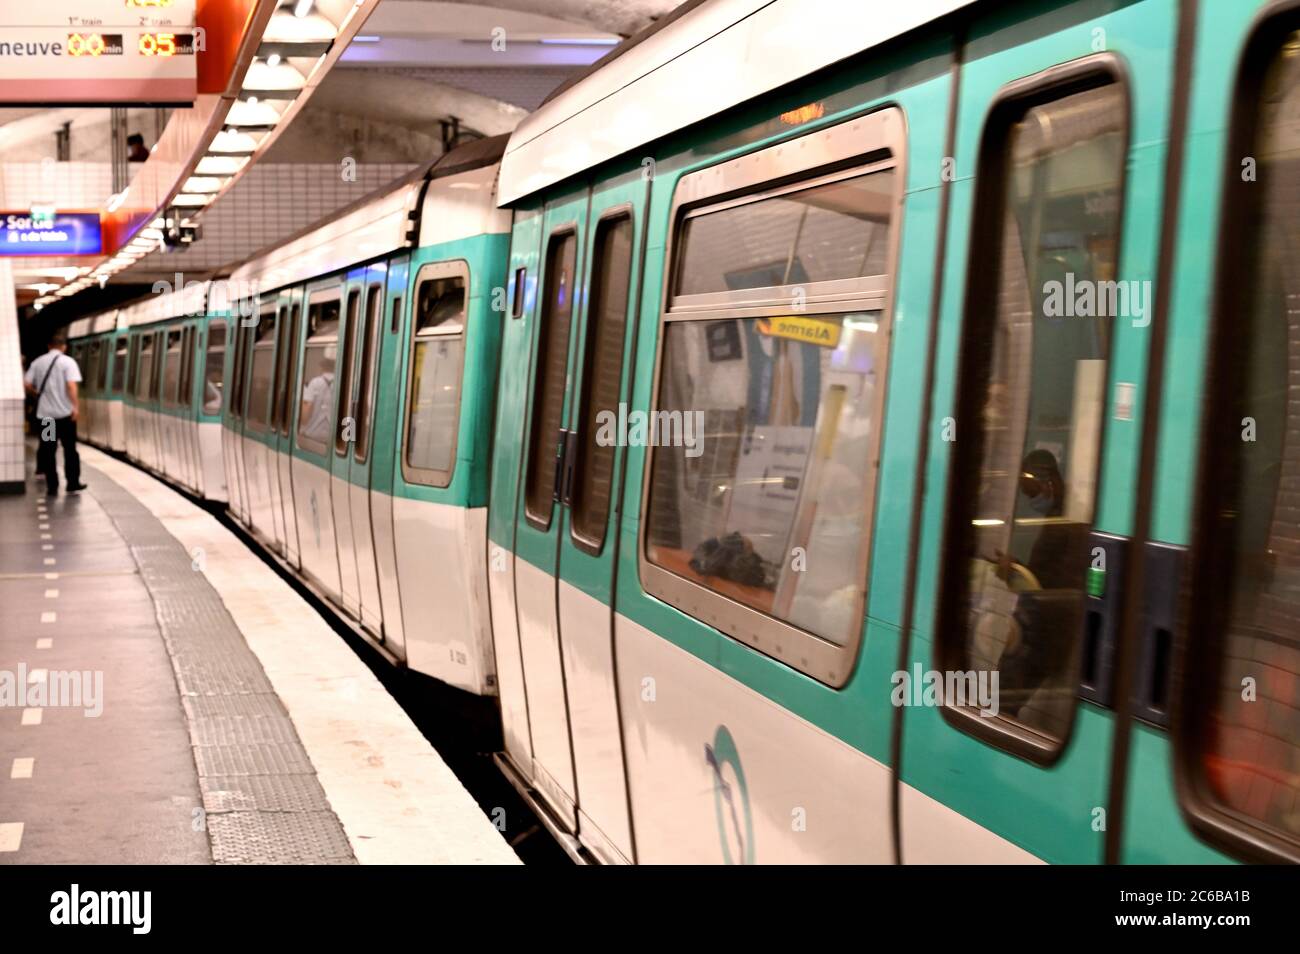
column 11, row 381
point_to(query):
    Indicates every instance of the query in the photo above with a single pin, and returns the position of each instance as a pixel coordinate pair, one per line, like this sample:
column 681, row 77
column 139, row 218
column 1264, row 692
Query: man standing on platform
column 53, row 379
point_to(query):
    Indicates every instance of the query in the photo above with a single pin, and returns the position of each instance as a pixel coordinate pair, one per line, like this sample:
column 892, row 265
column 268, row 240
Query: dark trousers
column 65, row 433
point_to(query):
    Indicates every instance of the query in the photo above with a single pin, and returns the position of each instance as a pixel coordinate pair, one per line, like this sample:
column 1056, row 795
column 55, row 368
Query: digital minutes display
column 149, row 44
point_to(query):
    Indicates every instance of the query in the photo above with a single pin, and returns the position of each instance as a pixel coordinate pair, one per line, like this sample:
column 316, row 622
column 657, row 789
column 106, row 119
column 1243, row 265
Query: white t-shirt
column 54, row 401
column 317, row 396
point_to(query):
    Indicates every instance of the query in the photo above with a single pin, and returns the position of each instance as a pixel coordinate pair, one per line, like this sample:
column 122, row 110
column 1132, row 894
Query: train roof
column 452, row 197
column 696, row 63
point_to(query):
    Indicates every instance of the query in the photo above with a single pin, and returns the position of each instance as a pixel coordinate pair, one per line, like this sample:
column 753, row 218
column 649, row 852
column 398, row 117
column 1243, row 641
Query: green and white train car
column 859, row 246
column 100, row 350
column 837, row 432
column 148, row 389
column 361, row 384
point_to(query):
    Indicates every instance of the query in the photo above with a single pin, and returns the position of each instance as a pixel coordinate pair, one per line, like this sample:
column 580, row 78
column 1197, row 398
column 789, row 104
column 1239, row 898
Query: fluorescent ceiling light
column 199, row 184
column 220, row 165
column 581, row 41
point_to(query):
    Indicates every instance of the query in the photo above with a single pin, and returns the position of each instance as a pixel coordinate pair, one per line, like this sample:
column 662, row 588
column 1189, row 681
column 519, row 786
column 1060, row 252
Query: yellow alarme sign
column 816, row 331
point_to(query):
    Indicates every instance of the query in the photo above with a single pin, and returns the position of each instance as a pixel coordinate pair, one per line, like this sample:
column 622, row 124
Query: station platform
column 165, row 697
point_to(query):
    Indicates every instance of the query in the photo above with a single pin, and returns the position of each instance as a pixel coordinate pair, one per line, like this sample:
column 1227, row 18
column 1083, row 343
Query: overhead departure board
column 105, row 52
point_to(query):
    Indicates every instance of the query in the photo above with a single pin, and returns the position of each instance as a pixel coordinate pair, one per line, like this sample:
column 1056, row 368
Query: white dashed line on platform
column 11, row 835
column 22, row 768
column 32, row 716
column 44, row 643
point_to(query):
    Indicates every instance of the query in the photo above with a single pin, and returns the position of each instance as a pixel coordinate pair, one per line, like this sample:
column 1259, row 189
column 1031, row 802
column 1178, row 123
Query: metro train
column 833, row 432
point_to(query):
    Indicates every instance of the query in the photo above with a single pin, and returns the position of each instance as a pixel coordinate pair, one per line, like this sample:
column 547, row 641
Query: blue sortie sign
column 61, row 233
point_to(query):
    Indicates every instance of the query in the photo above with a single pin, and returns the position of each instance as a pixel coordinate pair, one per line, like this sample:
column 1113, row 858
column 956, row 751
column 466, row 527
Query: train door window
column 121, row 355
column 187, row 368
column 101, row 366
column 764, row 434
column 320, row 355
column 237, row 373
column 133, row 363
column 1239, row 737
column 260, row 370
column 214, row 367
column 602, row 377
column 155, row 379
column 552, row 366
column 1032, row 403
column 366, row 384
column 281, row 367
column 144, row 384
column 290, row 369
column 517, row 300
column 345, row 426
column 172, row 368
column 396, row 319
column 434, row 379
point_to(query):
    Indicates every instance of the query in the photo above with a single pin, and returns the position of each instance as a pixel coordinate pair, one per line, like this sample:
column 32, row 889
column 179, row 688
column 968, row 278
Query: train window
column 345, row 426
column 214, row 367
column 764, row 434
column 186, row 398
column 437, row 357
column 172, row 368
column 1033, row 388
column 120, row 356
column 366, row 383
column 277, row 383
column 834, row 231
column 260, row 369
column 396, row 320
column 101, row 366
column 556, row 318
column 133, row 367
column 145, row 368
column 290, row 369
column 319, row 356
column 1239, row 737
column 611, row 278
column 155, row 374
column 517, row 301
column 237, row 373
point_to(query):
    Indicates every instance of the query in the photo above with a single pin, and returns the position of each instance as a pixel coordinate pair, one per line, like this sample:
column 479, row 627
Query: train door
column 272, row 438
column 538, row 520
column 590, row 475
column 383, row 451
column 153, row 436
column 259, row 360
column 242, row 329
column 313, row 437
column 345, row 425
column 368, row 340
column 1213, row 761
column 170, row 458
column 188, row 419
column 290, row 306
column 117, row 414
column 130, row 410
column 1007, row 695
